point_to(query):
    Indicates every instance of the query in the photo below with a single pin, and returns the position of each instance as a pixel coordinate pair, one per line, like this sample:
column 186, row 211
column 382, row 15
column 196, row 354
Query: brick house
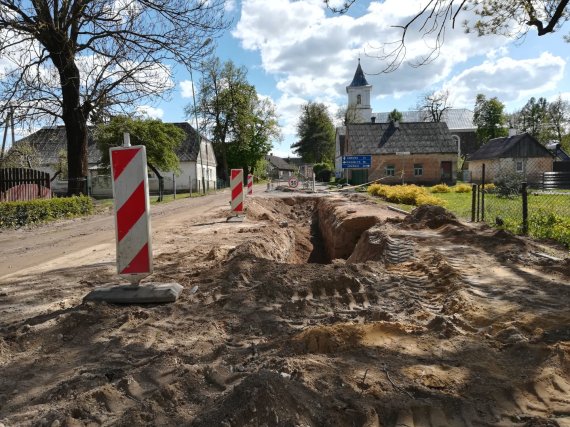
column 411, row 153
column 516, row 154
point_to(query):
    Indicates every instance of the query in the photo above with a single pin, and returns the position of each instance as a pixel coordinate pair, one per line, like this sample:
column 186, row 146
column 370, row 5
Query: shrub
column 16, row 214
column 508, row 185
column 548, row 225
column 440, row 188
column 426, row 199
column 490, row 188
column 462, row 188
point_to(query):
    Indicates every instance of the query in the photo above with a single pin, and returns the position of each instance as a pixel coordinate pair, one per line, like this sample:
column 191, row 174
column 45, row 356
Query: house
column 516, row 154
column 196, row 161
column 412, row 153
column 459, row 121
column 279, row 168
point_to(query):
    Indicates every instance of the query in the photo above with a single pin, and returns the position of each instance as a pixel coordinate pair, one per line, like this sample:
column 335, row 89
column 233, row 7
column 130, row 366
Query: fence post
column 524, row 208
column 473, row 201
column 483, row 193
column 478, row 201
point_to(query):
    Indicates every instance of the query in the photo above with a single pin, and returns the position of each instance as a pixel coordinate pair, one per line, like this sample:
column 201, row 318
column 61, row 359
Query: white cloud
column 508, row 79
column 313, row 54
column 150, row 112
column 186, row 89
column 230, row 5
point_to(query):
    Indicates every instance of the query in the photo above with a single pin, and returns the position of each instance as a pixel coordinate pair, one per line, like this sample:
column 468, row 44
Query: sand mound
column 430, row 216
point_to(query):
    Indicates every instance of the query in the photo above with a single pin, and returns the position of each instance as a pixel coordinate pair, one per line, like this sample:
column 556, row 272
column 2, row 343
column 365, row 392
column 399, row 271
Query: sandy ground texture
column 315, row 311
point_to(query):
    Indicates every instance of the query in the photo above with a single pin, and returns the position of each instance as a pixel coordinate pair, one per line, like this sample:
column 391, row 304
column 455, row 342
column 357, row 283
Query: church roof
column 359, row 79
column 455, row 118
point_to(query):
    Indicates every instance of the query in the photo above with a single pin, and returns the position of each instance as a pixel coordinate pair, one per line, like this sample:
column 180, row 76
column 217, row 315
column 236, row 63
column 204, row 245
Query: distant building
column 517, row 154
column 279, row 168
column 412, row 153
column 196, row 160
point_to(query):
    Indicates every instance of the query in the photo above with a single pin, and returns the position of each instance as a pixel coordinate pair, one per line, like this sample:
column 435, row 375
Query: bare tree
column 433, row 105
column 69, row 60
column 512, row 18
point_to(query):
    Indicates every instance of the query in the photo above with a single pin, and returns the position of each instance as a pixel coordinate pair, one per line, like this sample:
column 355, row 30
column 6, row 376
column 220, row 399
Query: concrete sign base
column 236, row 218
column 148, row 293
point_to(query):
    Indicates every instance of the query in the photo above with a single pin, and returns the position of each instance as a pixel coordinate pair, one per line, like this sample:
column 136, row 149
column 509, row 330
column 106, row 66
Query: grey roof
column 279, row 163
column 455, row 118
column 388, row 138
column 51, row 140
column 359, row 79
column 517, row 146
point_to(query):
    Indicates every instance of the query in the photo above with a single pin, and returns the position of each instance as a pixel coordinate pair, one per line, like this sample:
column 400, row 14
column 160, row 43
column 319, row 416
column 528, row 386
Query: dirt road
column 315, row 311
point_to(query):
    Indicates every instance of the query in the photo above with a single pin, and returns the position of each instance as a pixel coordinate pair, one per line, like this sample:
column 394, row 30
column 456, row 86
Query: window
column 358, row 99
column 519, row 166
column 418, row 169
column 390, row 170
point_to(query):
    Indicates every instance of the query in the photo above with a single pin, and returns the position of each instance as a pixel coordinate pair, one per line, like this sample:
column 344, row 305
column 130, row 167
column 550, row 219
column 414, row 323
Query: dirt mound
column 431, row 217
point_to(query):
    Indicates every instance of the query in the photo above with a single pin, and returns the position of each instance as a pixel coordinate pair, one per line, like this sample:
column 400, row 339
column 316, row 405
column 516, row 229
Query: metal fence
column 524, row 197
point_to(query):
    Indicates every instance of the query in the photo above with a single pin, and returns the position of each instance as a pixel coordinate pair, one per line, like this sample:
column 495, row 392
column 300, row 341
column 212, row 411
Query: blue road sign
column 356, row 162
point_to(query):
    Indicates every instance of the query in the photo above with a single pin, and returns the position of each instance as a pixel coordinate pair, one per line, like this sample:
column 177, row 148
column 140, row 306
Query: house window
column 418, row 169
column 390, row 170
column 519, row 166
column 358, row 99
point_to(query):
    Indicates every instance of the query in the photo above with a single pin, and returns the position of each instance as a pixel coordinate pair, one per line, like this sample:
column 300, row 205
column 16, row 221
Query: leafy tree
column 489, row 118
column 512, row 18
column 432, row 105
column 72, row 60
column 316, row 134
column 559, row 117
column 160, row 139
column 240, row 124
column 395, row 116
column 21, row 155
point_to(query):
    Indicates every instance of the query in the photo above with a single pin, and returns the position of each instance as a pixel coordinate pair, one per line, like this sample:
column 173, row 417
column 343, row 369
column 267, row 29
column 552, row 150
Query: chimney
column 373, row 119
column 397, row 124
column 512, row 132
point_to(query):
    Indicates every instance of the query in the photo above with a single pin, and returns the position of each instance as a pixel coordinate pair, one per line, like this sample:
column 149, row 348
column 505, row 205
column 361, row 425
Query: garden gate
column 17, row 184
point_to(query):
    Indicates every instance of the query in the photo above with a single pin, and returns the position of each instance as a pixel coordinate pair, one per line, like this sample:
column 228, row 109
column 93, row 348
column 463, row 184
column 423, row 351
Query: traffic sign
column 356, row 162
column 293, row 182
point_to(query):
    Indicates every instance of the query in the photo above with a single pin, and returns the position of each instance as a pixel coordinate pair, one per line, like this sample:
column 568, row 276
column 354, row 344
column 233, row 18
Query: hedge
column 17, row 214
column 405, row 194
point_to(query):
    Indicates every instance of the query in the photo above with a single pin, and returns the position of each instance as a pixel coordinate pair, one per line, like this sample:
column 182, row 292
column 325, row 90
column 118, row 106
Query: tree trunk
column 75, row 119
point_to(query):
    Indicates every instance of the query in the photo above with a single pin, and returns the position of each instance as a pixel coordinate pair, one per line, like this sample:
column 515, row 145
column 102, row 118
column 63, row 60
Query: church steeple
column 359, row 79
column 359, row 92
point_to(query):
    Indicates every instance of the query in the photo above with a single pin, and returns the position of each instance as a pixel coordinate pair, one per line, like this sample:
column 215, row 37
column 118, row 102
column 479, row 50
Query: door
column 359, row 176
column 446, row 175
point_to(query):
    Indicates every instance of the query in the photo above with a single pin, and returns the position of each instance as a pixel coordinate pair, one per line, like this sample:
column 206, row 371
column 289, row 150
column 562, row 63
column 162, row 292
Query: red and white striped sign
column 132, row 219
column 236, row 184
column 249, row 184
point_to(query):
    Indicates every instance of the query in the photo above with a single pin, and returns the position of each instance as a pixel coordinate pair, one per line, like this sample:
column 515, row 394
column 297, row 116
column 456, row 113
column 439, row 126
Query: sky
column 299, row 51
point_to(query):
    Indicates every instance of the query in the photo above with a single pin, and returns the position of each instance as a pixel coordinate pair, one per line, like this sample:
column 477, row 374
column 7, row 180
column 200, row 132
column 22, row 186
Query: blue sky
column 298, row 51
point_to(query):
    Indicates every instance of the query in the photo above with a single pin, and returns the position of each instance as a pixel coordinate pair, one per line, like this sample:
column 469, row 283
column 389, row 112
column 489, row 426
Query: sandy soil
column 427, row 322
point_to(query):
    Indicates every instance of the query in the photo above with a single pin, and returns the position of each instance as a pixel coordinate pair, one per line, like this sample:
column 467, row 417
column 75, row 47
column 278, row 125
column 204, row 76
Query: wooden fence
column 17, row 184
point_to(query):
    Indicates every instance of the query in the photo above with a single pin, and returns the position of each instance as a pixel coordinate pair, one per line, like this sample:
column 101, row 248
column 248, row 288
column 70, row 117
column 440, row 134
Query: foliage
column 545, row 121
column 260, row 169
column 405, row 194
column 316, row 134
column 440, row 188
column 21, row 155
column 490, row 188
column 79, row 60
column 17, row 214
column 433, row 105
column 395, row 116
column 489, row 118
column 507, row 185
column 462, row 188
column 549, row 225
column 240, row 124
column 160, row 139
column 348, row 114
column 323, row 171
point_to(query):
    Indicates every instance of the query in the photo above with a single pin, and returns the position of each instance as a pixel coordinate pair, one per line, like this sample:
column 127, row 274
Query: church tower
column 359, row 97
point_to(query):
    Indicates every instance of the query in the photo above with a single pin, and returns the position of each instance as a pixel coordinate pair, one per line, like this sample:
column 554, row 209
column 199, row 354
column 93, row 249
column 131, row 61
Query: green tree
column 240, row 124
column 489, row 118
column 395, row 116
column 21, row 155
column 316, row 134
column 559, row 117
column 160, row 139
column 70, row 60
column 534, row 119
column 512, row 18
